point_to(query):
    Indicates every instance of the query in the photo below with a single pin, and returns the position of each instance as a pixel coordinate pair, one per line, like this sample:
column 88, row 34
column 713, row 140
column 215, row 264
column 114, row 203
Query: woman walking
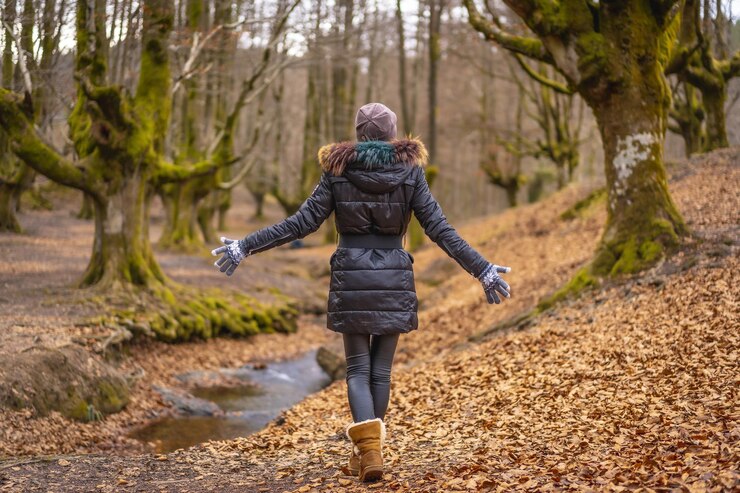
column 372, row 186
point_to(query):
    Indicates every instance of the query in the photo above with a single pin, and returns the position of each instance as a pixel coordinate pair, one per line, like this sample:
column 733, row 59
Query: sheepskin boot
column 353, row 466
column 369, row 437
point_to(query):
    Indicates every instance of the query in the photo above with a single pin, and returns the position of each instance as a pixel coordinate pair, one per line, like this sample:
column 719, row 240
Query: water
column 259, row 397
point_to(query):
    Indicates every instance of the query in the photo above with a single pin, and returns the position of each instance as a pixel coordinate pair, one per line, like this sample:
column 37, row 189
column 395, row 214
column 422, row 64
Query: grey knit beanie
column 374, row 121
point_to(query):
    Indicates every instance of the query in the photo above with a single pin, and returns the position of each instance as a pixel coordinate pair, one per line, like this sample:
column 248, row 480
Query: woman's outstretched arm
column 429, row 213
column 307, row 219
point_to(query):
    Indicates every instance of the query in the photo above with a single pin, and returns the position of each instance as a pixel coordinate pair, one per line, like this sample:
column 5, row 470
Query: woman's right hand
column 492, row 283
column 232, row 252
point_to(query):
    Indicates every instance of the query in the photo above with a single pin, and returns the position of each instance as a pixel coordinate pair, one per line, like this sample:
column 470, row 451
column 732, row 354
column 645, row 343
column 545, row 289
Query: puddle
column 259, row 397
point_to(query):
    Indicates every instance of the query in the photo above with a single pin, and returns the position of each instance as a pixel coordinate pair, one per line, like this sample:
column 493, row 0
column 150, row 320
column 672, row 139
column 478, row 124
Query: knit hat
column 374, row 121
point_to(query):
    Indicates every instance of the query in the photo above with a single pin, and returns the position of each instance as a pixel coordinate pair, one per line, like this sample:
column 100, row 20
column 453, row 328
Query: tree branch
column 168, row 172
column 29, row 146
column 699, row 77
column 529, row 47
column 22, row 66
column 188, row 69
column 732, row 69
column 542, row 79
column 680, row 58
column 663, row 9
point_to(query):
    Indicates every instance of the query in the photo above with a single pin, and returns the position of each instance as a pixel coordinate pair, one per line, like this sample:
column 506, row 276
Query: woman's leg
column 357, row 353
column 382, row 349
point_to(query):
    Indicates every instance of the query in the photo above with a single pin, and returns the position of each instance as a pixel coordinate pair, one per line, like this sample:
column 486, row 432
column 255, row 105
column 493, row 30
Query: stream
column 255, row 396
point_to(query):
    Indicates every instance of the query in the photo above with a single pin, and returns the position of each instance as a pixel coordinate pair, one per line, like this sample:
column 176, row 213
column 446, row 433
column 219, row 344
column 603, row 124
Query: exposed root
column 179, row 313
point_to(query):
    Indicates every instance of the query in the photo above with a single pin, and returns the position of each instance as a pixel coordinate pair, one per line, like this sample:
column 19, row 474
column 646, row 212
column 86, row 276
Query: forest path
column 630, row 386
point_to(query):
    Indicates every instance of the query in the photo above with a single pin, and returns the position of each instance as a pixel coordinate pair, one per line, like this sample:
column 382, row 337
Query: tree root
column 179, row 313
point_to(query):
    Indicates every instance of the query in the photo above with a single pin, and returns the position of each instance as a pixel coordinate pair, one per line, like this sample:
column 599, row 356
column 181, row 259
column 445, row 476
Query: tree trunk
column 714, row 104
column 87, row 209
column 688, row 114
column 181, row 228
column 259, row 205
column 642, row 220
column 435, row 48
column 8, row 205
column 121, row 253
column 205, row 215
column 512, row 190
column 408, row 125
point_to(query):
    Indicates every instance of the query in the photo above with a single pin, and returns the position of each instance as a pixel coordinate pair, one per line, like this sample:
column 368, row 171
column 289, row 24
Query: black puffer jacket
column 373, row 187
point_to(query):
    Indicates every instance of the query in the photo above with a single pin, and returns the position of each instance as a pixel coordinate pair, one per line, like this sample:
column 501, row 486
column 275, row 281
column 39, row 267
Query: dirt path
column 633, row 386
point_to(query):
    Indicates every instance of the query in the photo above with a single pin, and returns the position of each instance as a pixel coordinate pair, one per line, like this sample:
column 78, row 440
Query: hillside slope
column 630, row 386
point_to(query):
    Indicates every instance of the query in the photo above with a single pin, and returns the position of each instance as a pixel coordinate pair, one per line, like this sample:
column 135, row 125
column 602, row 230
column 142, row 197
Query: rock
column 186, row 403
column 68, row 379
column 332, row 362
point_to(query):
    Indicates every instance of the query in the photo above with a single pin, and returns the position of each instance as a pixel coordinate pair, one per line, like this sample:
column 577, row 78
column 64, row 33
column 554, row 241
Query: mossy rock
column 67, row 379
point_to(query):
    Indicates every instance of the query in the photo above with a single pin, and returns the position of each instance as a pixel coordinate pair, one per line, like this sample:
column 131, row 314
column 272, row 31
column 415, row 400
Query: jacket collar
column 335, row 158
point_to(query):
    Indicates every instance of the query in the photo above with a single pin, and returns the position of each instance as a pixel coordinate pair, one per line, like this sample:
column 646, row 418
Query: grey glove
column 233, row 253
column 493, row 284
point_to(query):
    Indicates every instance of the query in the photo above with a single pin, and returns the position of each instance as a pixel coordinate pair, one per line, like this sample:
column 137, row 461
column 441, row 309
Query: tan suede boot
column 369, row 437
column 353, row 466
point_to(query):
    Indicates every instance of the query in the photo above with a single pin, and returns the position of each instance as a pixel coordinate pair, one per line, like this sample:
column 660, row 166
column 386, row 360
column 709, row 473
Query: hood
column 374, row 166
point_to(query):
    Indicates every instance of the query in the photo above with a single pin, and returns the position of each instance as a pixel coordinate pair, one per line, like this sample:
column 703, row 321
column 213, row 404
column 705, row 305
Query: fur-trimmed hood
column 373, row 154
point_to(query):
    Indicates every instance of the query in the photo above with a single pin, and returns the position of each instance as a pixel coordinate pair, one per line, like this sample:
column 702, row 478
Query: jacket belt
column 370, row 241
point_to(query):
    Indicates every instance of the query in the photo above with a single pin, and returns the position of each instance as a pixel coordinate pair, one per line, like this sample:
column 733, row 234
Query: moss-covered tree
column 687, row 117
column 613, row 53
column 710, row 66
column 191, row 204
column 120, row 141
column 15, row 176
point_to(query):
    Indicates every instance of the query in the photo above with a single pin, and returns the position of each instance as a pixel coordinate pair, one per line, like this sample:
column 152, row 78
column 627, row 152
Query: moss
column 582, row 280
column 111, row 397
column 181, row 314
column 649, row 242
column 77, row 411
column 596, row 197
column 594, row 58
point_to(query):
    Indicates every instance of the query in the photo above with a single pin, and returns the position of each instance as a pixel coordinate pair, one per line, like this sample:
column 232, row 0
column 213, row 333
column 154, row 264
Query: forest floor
column 631, row 386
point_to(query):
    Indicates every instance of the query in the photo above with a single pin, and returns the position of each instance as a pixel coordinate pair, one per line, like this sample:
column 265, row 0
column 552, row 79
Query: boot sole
column 371, row 474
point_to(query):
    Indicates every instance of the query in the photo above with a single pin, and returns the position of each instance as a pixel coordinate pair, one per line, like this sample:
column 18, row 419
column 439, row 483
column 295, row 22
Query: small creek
column 254, row 397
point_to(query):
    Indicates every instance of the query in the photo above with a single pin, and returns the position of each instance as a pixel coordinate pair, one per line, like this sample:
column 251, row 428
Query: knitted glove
column 233, row 253
column 492, row 282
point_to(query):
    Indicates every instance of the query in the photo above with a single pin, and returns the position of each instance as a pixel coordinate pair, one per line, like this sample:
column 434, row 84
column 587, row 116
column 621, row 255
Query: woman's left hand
column 492, row 283
column 233, row 253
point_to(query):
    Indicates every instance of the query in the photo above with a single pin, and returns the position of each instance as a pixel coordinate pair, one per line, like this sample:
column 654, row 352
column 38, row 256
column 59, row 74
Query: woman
column 372, row 185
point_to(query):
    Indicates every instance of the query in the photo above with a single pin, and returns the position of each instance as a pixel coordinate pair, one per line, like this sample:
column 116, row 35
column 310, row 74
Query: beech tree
column 32, row 70
column 613, row 54
column 192, row 203
column 710, row 66
column 119, row 139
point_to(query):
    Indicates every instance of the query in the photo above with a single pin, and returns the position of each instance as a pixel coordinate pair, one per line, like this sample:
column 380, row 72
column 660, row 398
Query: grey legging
column 369, row 361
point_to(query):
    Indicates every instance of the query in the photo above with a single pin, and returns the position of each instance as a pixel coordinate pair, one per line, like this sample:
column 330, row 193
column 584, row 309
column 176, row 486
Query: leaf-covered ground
column 630, row 387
